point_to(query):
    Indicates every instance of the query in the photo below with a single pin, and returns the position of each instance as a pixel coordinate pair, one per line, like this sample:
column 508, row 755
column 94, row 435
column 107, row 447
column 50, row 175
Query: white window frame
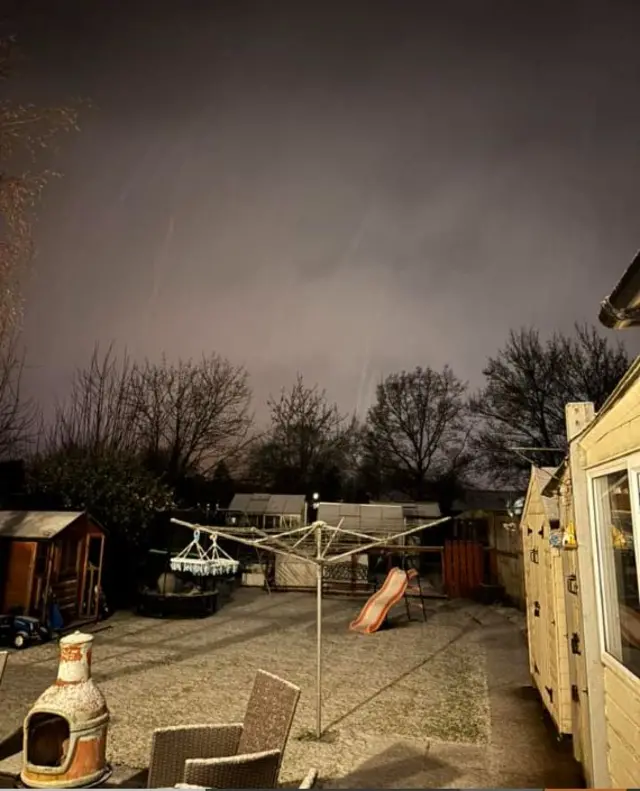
column 631, row 465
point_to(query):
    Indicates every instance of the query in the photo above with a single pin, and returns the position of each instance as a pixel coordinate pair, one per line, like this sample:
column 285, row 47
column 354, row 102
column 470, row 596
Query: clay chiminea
column 65, row 733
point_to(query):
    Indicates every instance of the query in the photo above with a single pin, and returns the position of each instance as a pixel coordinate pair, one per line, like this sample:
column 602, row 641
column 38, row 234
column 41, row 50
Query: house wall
column 19, row 575
column 614, row 435
column 622, row 709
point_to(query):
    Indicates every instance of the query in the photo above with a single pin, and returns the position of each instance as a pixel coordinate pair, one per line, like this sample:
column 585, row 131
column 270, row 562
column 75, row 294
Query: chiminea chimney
column 65, row 733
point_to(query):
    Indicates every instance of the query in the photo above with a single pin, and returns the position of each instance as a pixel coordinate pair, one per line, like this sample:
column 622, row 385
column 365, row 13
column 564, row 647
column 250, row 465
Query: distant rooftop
column 268, row 504
column 365, row 518
column 419, row 510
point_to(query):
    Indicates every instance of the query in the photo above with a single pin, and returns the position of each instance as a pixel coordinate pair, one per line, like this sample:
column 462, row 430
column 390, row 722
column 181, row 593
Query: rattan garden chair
column 267, row 722
column 309, row 781
column 251, row 770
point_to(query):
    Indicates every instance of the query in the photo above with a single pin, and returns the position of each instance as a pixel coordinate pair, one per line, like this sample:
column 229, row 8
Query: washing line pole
column 319, row 575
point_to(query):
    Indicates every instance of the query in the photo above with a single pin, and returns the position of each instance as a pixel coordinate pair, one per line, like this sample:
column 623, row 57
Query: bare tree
column 24, row 129
column 528, row 383
column 100, row 412
column 592, row 366
column 19, row 417
column 192, row 415
column 417, row 429
column 308, row 441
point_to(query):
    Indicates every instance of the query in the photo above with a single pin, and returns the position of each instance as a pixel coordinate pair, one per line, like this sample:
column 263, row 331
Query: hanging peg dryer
column 214, row 562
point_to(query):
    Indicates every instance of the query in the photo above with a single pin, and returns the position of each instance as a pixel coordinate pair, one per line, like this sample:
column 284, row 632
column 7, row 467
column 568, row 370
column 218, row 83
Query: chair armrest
column 310, row 779
column 250, row 770
column 171, row 747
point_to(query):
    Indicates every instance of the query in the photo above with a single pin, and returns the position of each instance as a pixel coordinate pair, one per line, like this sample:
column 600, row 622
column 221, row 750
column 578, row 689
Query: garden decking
column 422, row 704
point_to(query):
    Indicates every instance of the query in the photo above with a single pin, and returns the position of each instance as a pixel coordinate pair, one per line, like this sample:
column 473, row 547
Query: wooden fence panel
column 463, row 567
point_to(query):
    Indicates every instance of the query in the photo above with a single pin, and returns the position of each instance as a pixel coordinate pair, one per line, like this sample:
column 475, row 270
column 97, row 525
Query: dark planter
column 157, row 605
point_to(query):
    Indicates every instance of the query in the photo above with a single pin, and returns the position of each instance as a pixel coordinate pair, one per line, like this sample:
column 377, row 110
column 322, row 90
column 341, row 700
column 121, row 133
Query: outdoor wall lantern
column 514, row 511
column 516, row 508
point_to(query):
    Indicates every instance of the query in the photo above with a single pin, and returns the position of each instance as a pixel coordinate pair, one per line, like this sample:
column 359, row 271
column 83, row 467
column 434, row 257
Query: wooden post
column 47, row 584
column 578, row 416
column 84, row 560
column 30, row 579
column 99, row 581
column 3, row 662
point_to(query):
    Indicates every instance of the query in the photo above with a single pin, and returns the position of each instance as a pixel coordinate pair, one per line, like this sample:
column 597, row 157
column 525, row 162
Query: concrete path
column 523, row 749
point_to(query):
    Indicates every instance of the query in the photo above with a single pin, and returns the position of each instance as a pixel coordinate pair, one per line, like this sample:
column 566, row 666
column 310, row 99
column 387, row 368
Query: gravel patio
column 407, row 707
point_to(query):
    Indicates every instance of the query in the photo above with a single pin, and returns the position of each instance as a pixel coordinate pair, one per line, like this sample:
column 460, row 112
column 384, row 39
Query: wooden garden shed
column 544, row 583
column 45, row 554
column 560, row 487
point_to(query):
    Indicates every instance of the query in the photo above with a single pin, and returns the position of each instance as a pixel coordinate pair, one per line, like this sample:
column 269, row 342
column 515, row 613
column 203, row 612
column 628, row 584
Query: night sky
column 343, row 189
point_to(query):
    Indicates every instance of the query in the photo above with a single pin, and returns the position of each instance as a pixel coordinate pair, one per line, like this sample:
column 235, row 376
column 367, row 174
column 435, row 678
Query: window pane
column 619, row 573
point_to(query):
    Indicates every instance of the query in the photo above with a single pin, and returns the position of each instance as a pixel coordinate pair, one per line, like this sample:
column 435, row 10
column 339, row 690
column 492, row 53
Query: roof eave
column 621, row 309
column 618, row 318
column 87, row 515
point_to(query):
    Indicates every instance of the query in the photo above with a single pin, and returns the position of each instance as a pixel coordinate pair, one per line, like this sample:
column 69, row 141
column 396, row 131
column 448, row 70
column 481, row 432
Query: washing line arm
column 385, row 540
column 246, row 541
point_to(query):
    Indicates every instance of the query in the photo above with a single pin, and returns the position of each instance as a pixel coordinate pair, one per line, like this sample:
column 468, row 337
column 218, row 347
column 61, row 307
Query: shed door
column 532, row 596
column 91, row 565
column 17, row 590
column 38, row 590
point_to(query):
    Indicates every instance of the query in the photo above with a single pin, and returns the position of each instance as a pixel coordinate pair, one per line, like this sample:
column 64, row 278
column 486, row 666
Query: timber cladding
column 463, row 568
column 545, row 586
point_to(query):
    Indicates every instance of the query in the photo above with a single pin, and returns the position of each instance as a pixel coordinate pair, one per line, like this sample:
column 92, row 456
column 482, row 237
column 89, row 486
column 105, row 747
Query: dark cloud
column 343, row 189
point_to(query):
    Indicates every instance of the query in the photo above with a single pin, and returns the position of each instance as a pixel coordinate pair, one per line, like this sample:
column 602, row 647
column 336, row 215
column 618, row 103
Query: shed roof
column 543, row 475
column 35, row 525
column 367, row 518
column 552, row 486
column 269, row 504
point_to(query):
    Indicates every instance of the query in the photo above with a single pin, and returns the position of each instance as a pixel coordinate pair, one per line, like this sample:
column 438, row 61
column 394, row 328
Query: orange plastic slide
column 377, row 607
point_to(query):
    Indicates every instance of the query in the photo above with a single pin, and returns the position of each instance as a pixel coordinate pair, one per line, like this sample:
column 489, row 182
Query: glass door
column 617, row 512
